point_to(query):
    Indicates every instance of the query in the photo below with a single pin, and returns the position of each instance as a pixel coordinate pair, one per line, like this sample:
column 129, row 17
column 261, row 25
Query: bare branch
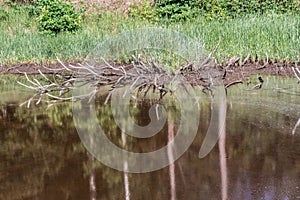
column 62, row 64
column 295, row 73
column 246, row 59
column 296, row 125
column 233, row 83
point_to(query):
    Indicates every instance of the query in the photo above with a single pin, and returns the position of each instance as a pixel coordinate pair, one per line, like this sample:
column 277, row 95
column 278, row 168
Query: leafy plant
column 143, row 10
column 54, row 16
column 182, row 10
column 177, row 10
column 225, row 9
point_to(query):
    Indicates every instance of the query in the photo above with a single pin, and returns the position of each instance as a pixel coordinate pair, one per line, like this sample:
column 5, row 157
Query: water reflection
column 258, row 158
column 223, row 165
column 92, row 180
column 125, row 166
column 171, row 157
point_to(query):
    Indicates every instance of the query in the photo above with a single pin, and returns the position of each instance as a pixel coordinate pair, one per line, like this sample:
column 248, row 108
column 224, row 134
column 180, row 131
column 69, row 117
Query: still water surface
column 42, row 156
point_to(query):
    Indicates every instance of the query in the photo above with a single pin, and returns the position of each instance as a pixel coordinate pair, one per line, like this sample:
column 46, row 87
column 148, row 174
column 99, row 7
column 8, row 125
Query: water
column 42, row 156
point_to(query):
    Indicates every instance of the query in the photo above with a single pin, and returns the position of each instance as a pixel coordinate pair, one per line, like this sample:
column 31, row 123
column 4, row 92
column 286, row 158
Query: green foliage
column 143, row 10
column 54, row 16
column 225, row 9
column 176, row 10
column 3, row 14
column 11, row 2
column 273, row 35
column 182, row 10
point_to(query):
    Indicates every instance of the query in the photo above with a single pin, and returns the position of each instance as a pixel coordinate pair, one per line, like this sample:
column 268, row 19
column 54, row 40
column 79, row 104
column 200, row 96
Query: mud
column 231, row 73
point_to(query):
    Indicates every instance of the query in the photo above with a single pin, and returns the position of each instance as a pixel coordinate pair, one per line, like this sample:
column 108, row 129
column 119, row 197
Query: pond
column 42, row 156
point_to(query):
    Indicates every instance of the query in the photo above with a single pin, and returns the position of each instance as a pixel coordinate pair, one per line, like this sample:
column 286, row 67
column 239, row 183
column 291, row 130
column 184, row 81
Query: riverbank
column 253, row 44
column 232, row 72
column 272, row 36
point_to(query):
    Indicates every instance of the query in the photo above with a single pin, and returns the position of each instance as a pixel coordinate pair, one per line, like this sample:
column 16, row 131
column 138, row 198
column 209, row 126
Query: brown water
column 259, row 158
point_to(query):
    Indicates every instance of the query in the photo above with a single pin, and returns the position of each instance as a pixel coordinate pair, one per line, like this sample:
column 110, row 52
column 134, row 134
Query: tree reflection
column 43, row 158
column 29, row 149
column 170, row 156
column 223, row 164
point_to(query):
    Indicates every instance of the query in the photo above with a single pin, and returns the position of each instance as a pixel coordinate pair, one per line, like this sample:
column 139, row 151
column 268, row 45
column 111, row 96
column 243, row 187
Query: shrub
column 177, row 10
column 224, row 9
column 143, row 10
column 54, row 16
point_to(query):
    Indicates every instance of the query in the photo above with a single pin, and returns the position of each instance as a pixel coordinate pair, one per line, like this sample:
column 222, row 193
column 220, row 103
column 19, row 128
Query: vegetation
column 272, row 33
column 178, row 10
column 54, row 16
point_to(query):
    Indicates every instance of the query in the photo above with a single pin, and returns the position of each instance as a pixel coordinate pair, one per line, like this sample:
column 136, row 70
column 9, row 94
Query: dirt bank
column 231, row 70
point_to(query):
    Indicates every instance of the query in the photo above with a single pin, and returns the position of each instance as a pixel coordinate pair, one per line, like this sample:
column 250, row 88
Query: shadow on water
column 258, row 157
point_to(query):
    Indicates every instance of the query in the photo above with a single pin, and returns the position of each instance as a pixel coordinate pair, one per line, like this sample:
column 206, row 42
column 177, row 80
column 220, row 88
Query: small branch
column 59, row 98
column 62, row 64
column 232, row 61
column 29, row 87
column 233, row 83
column 206, row 61
column 107, row 98
column 296, row 125
column 295, row 73
column 246, row 59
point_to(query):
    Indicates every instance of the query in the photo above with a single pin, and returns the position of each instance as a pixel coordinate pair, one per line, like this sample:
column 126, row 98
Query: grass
column 277, row 36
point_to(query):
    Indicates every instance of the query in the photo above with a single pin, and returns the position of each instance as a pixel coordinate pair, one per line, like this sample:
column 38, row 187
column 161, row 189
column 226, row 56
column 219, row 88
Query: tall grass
column 277, row 36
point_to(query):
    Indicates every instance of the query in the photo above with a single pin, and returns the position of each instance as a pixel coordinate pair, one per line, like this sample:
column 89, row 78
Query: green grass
column 277, row 36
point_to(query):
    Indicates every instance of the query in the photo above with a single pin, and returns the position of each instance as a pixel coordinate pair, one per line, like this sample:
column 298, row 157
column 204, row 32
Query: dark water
column 42, row 156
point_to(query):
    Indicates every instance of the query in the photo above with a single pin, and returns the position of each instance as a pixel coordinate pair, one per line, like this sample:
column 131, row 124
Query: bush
column 224, row 9
column 143, row 10
column 177, row 10
column 180, row 10
column 54, row 16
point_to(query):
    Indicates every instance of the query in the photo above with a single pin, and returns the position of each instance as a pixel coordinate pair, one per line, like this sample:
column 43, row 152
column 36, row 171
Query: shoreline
column 233, row 71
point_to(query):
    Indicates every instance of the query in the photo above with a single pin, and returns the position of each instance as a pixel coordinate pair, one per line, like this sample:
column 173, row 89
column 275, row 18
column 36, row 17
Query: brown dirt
column 231, row 73
column 237, row 72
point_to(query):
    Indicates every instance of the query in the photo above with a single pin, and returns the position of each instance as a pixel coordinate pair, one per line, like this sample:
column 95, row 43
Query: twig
column 59, row 98
column 117, row 69
column 246, row 59
column 45, row 77
column 29, row 87
column 233, row 83
column 232, row 61
column 206, row 61
column 295, row 127
column 295, row 73
column 265, row 63
column 107, row 98
column 131, row 87
column 64, row 65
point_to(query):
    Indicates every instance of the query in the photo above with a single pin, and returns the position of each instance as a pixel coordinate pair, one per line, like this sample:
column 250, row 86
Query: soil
column 231, row 73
